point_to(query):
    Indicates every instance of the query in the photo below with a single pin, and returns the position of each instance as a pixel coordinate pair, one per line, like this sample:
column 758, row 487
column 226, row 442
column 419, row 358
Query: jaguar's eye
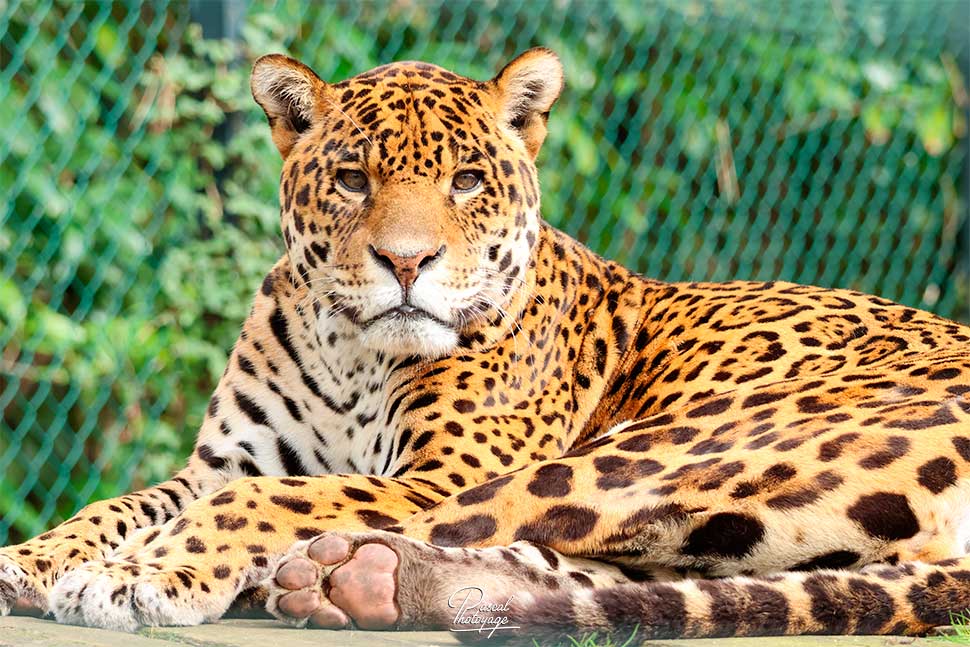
column 355, row 181
column 466, row 181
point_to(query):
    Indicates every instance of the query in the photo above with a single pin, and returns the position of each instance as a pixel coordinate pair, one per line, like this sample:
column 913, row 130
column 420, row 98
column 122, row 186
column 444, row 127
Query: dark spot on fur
column 375, row 519
column 230, row 522
column 194, row 545
column 727, row 534
column 293, row 504
column 359, row 495
column 223, row 498
column 483, row 492
column 938, row 474
column 839, row 559
column 474, row 529
column 551, row 480
column 563, row 522
column 885, row 515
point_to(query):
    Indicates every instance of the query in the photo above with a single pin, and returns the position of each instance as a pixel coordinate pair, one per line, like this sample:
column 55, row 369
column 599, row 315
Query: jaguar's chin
column 413, row 335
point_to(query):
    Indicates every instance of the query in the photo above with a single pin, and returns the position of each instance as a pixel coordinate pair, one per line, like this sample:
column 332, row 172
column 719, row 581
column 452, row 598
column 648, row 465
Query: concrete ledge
column 32, row 632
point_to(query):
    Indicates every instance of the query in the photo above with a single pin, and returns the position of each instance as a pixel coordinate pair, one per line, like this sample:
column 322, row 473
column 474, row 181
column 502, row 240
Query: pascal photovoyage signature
column 474, row 613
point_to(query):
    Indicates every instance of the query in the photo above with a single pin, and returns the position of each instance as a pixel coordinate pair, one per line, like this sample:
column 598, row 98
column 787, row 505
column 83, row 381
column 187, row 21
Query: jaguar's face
column 410, row 201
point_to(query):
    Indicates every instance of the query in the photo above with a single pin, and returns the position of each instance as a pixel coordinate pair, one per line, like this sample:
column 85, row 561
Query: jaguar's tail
column 906, row 599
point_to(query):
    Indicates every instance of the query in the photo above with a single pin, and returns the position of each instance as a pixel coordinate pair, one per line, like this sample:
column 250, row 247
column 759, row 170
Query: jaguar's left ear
column 526, row 88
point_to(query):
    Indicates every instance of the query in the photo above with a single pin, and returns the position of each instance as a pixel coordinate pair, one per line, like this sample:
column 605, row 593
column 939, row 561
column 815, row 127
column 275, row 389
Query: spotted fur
column 429, row 359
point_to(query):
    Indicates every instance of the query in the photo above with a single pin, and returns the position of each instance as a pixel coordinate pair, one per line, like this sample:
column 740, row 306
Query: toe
column 329, row 549
column 296, row 574
column 329, row 617
column 299, row 604
column 12, row 584
column 378, row 557
column 8, row 597
column 27, row 607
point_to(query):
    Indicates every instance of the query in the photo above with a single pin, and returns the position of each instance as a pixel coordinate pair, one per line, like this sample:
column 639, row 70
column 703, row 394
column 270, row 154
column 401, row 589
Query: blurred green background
column 817, row 141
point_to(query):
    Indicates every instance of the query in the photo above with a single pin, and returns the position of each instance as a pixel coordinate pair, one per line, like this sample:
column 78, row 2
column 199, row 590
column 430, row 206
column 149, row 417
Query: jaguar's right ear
column 291, row 95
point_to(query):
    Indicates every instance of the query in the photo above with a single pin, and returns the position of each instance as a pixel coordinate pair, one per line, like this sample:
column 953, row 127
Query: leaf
column 885, row 76
column 935, row 130
column 582, row 148
column 831, row 92
column 106, row 43
column 879, row 121
column 13, row 305
column 58, row 332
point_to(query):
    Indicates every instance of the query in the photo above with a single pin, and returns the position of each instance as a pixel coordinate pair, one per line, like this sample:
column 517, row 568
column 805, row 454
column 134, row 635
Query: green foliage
column 596, row 640
column 959, row 629
column 694, row 141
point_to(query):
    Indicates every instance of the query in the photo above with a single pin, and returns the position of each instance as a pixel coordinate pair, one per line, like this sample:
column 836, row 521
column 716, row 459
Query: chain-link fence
column 816, row 141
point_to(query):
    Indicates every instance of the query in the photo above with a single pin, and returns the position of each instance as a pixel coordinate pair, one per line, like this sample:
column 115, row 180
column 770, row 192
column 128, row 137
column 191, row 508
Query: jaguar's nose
column 406, row 269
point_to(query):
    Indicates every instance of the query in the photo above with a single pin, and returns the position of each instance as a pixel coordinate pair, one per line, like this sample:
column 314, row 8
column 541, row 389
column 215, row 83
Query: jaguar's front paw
column 121, row 596
column 86, row 596
column 125, row 596
column 18, row 590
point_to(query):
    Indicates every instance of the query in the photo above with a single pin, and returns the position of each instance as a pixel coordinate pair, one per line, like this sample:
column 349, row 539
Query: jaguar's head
column 409, row 194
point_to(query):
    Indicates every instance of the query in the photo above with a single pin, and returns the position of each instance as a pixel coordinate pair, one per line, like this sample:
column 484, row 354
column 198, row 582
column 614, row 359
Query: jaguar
column 435, row 392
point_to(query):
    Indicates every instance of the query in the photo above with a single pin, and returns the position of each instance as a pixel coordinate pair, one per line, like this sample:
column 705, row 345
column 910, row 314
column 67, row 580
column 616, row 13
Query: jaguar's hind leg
column 381, row 580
